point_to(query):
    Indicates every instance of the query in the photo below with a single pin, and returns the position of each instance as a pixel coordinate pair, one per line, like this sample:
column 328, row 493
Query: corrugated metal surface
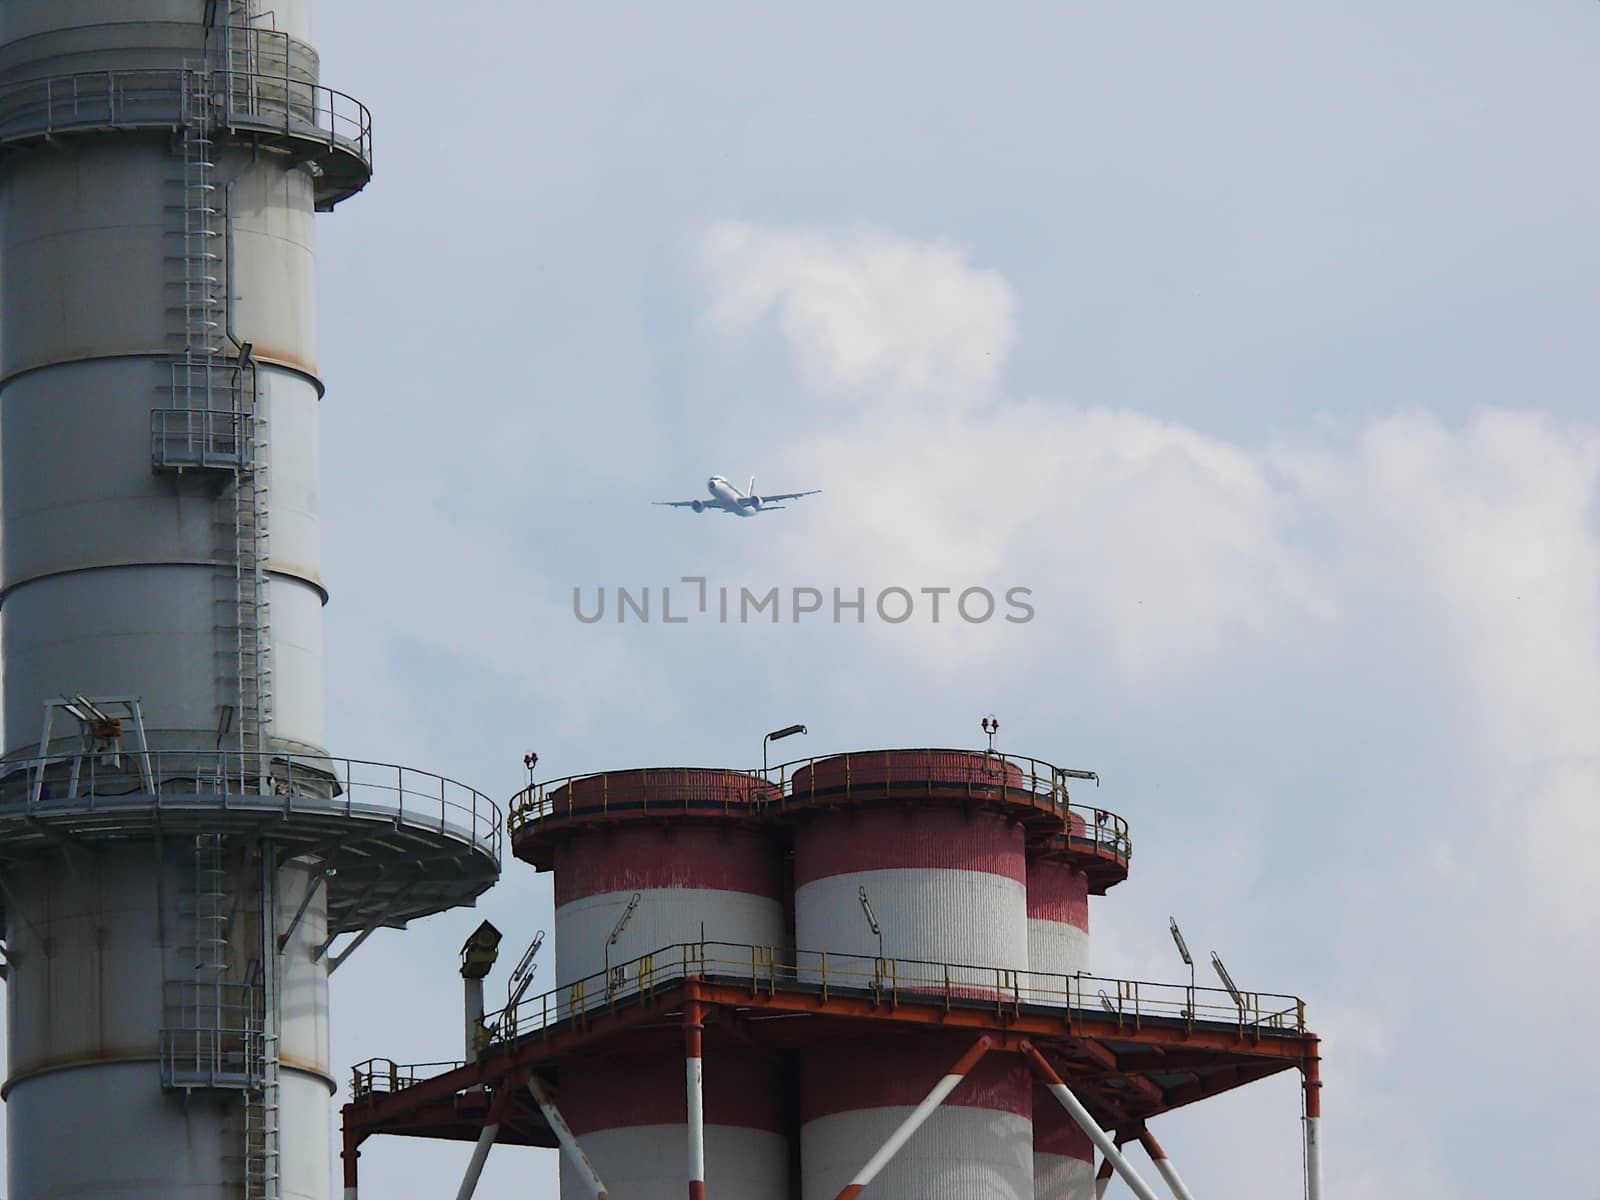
column 665, row 917
column 960, row 1154
column 1058, row 1177
column 964, row 917
column 651, row 1162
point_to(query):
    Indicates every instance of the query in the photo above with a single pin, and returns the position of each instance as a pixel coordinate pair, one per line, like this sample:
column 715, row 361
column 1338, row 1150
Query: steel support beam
column 349, row 1157
column 693, row 1028
column 485, row 1143
column 1087, row 1123
column 947, row 1084
column 1164, row 1165
column 569, row 1141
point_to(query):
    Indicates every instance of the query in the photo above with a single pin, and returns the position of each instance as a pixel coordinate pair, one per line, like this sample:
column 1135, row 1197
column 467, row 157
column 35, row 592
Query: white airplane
column 729, row 499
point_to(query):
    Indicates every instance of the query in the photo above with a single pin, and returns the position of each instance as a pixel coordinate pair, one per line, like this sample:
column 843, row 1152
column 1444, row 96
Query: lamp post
column 777, row 735
column 872, row 923
column 478, row 956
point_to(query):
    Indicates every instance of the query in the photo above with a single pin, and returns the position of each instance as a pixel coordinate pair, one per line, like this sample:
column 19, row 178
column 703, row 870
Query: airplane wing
column 766, row 499
column 680, row 503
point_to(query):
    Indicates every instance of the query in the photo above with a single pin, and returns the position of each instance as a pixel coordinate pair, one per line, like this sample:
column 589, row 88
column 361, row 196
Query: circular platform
column 326, row 130
column 1028, row 790
column 544, row 812
column 402, row 843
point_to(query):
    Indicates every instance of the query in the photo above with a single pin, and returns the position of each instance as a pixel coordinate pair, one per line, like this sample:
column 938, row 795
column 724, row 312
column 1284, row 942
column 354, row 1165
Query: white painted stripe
column 910, row 1125
column 697, row 1120
column 970, row 917
column 648, row 1162
column 665, row 917
column 1103, row 1140
column 1057, row 947
column 961, row 1153
column 1062, row 1177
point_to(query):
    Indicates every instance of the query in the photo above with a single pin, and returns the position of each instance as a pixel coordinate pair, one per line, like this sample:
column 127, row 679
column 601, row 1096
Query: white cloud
column 866, row 311
column 1411, row 575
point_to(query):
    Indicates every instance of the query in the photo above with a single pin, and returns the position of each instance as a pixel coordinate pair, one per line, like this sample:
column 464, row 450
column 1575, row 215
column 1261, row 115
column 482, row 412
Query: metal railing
column 380, row 1075
column 285, row 784
column 142, row 98
column 974, row 774
column 199, row 439
column 1005, row 990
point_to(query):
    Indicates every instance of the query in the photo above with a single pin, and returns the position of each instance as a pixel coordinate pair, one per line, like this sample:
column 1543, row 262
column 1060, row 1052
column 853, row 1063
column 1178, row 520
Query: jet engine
column 698, row 505
column 755, row 503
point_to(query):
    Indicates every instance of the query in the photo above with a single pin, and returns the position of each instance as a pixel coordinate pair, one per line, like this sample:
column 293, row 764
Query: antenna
column 1227, row 981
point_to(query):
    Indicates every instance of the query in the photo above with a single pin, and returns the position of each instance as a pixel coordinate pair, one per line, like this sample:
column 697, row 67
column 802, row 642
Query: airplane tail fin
column 751, row 490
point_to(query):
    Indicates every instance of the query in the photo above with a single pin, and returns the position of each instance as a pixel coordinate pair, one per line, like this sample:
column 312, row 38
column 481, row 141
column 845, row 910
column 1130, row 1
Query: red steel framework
column 1115, row 1053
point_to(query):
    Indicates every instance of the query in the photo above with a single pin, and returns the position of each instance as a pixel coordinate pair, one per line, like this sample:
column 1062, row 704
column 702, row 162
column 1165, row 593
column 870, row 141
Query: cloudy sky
column 1255, row 339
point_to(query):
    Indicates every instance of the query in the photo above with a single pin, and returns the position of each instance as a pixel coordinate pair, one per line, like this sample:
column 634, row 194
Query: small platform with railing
column 380, row 828
column 1030, row 790
column 326, row 129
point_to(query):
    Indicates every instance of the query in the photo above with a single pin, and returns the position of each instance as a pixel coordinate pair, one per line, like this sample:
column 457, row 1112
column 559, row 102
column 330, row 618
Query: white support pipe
column 1311, row 1082
column 480, row 1155
column 696, row 1083
column 473, row 1000
column 1313, row 1158
column 1087, row 1123
column 568, row 1140
column 1164, row 1165
column 947, row 1084
column 694, row 1078
column 1102, row 1179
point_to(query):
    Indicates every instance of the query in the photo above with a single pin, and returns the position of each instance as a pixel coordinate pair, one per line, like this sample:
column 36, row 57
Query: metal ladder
column 201, row 374
column 261, row 1133
column 262, row 1155
column 217, row 395
column 252, row 607
column 209, row 910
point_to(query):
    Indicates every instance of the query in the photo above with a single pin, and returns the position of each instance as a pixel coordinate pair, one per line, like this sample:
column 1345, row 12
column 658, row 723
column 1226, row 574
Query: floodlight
column 1227, row 981
column 1177, row 936
column 478, row 952
column 775, row 736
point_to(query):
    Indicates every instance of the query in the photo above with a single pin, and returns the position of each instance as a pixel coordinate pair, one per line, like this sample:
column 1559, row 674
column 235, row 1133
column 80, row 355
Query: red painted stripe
column 1054, row 1130
column 900, row 1073
column 632, row 858
column 1058, row 892
column 932, row 838
column 617, row 1093
column 666, row 788
column 895, row 769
